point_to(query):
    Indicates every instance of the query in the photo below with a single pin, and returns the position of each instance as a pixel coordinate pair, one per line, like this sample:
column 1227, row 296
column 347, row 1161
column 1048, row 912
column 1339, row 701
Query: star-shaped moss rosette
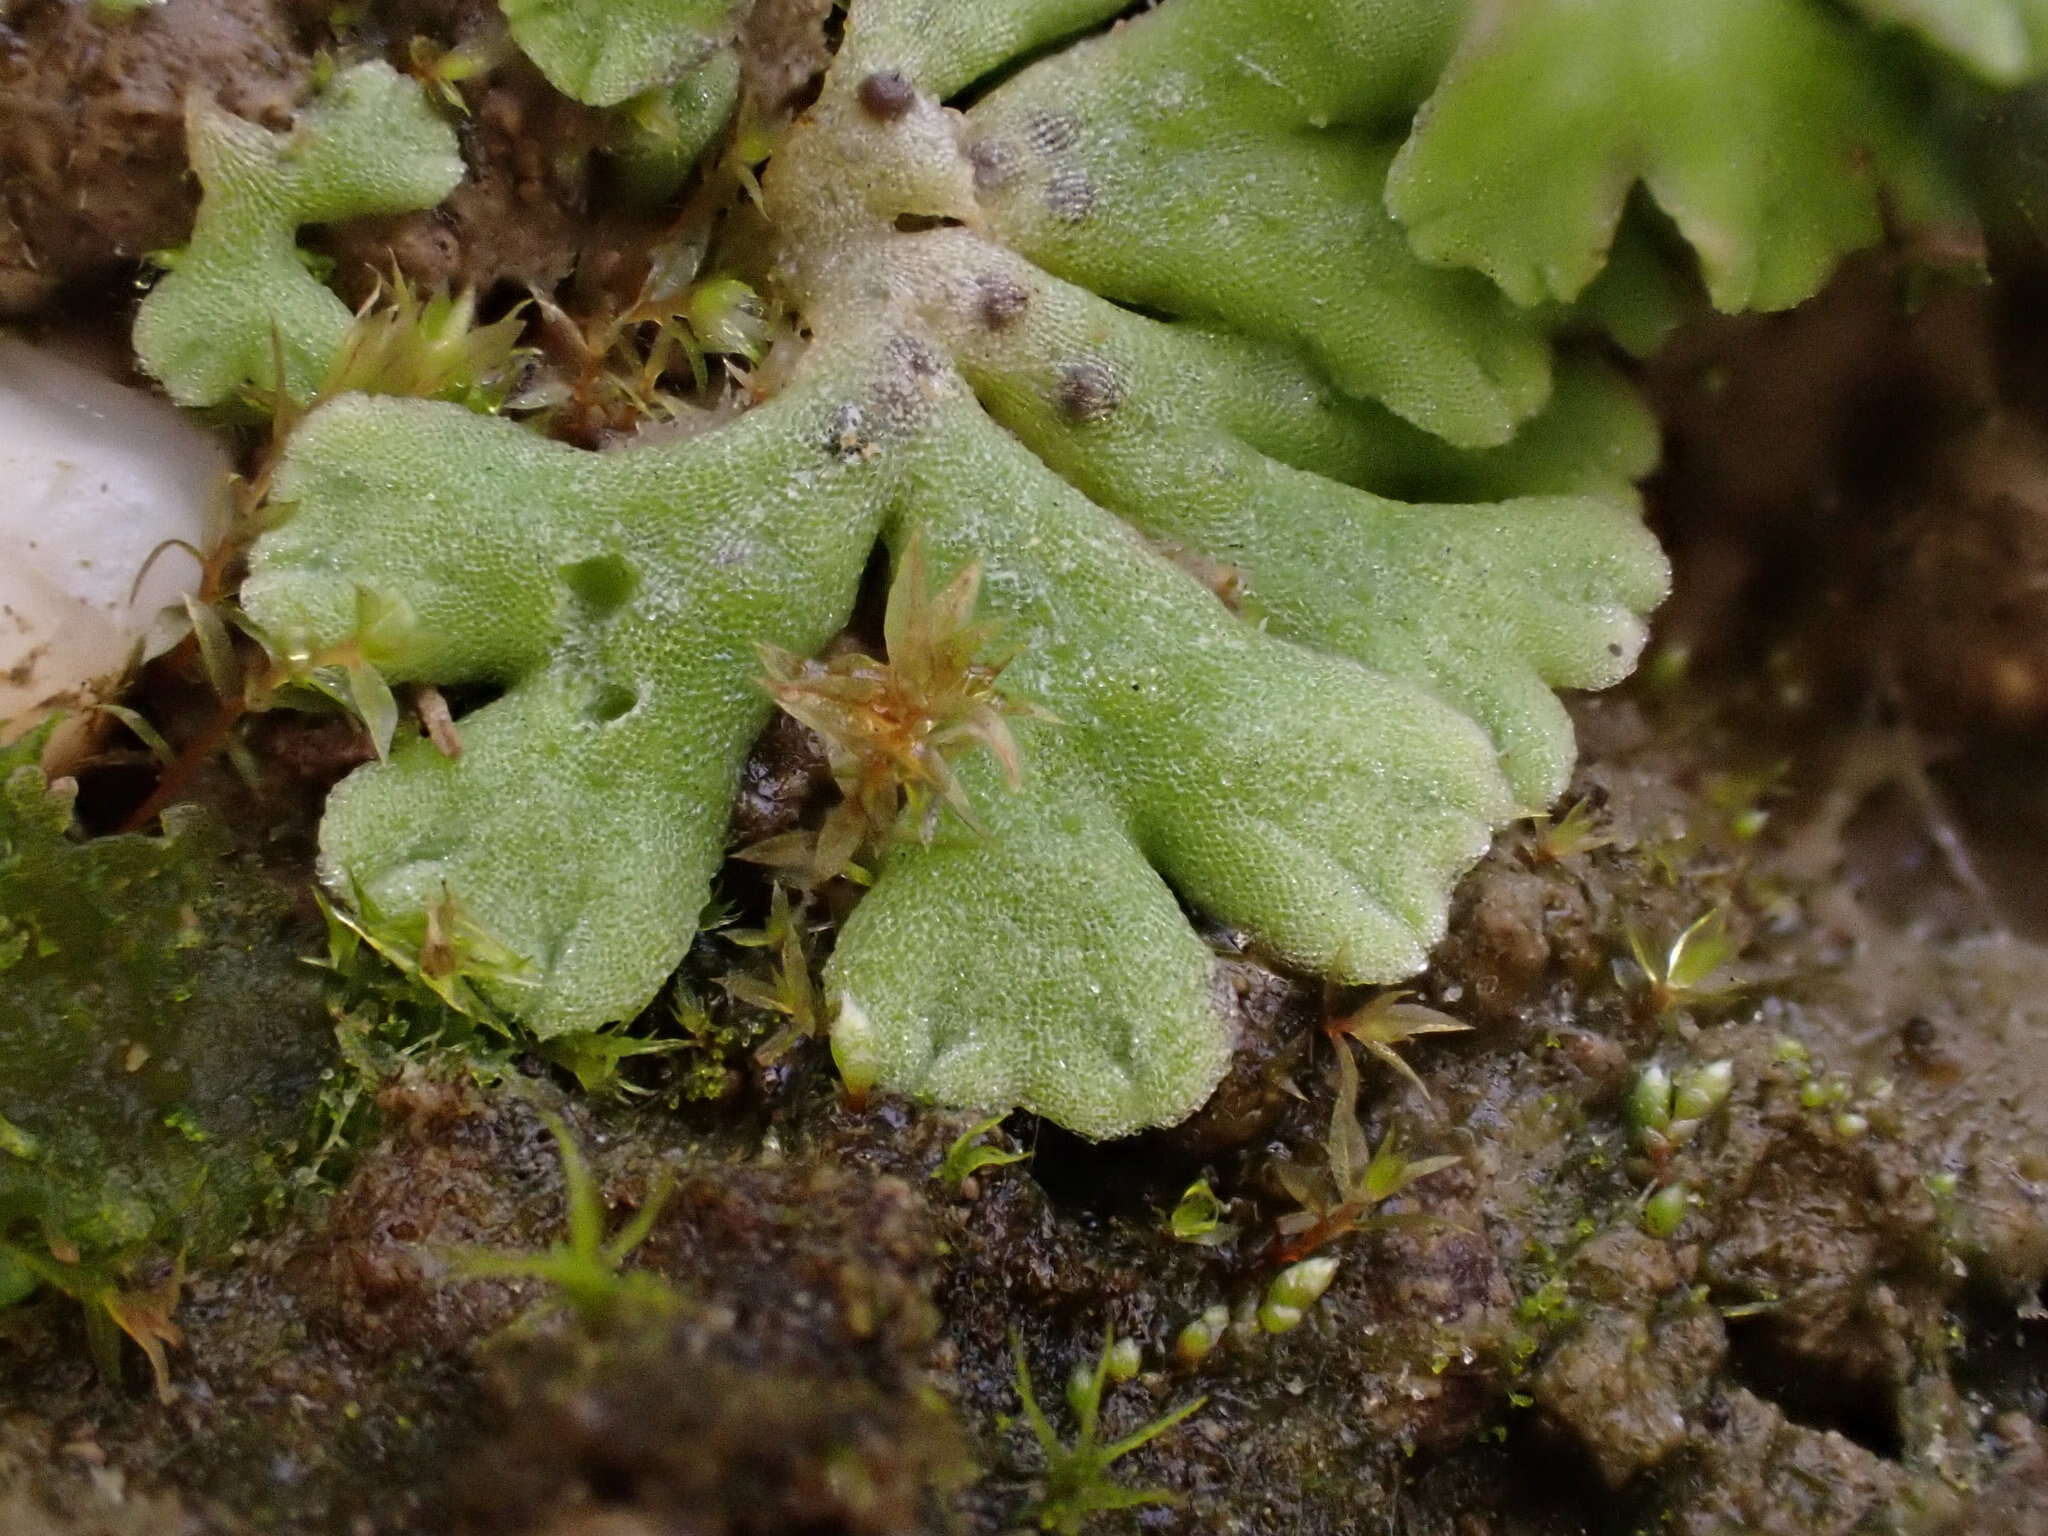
column 239, row 300
column 1314, row 755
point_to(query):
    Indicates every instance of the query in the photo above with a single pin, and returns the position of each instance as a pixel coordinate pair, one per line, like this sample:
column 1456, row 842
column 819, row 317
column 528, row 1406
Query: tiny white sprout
column 1293, row 1291
column 1649, row 1102
column 1701, row 1091
column 1202, row 1334
column 855, row 1046
column 1125, row 1359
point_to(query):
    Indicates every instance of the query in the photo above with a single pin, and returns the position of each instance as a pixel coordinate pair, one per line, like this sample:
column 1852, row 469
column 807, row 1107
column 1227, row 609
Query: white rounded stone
column 97, row 481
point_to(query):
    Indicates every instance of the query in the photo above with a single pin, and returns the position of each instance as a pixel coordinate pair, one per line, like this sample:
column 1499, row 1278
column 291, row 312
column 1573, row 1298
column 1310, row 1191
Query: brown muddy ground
column 1836, row 743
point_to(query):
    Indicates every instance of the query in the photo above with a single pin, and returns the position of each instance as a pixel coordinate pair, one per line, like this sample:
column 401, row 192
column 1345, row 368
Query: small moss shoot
column 586, row 1273
column 1344, row 1194
column 893, row 728
column 785, row 984
column 969, row 1155
column 1683, row 972
column 1387, row 1022
column 1076, row 1480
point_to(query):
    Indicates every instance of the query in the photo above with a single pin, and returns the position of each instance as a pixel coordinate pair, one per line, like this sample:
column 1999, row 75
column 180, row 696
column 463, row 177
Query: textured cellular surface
column 1198, row 335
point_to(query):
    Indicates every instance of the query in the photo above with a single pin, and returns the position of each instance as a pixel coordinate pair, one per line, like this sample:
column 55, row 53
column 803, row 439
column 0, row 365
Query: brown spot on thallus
column 1000, row 300
column 994, row 162
column 886, row 95
column 1052, row 132
column 1070, row 196
column 1089, row 391
column 913, row 356
column 845, row 434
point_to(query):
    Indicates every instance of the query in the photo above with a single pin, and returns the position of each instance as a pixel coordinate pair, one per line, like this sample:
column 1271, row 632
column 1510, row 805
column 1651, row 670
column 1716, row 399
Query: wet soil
column 92, row 129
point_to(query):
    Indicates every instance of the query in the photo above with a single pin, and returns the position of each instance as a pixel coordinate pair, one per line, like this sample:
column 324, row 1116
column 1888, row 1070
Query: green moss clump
column 158, row 1041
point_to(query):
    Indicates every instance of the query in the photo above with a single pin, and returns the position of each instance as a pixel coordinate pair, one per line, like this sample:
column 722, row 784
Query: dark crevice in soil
column 2004, row 1355
column 1812, row 1395
column 1089, row 1178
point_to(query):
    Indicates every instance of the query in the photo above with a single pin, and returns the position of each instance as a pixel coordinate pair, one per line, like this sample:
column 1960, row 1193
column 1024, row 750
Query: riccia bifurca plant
column 1231, row 353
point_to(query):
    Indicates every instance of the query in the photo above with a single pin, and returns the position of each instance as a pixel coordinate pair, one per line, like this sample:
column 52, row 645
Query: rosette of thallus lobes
column 1228, row 344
